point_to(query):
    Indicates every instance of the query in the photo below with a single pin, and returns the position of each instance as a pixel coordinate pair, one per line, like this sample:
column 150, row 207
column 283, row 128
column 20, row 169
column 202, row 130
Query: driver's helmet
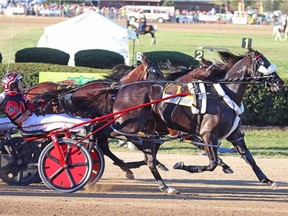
column 9, row 79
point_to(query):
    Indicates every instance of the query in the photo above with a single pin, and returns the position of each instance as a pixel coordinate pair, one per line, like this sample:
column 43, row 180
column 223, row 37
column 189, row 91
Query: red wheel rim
column 72, row 174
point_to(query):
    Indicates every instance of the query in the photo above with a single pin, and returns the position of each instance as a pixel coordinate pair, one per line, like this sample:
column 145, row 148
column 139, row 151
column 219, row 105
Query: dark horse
column 148, row 29
column 218, row 118
column 65, row 98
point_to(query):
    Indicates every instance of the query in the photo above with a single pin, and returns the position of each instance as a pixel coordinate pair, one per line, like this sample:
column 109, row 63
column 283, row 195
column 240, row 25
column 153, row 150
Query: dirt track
column 201, row 194
column 28, row 22
column 214, row 193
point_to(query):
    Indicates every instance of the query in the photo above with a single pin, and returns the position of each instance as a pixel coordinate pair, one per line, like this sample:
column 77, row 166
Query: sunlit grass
column 263, row 143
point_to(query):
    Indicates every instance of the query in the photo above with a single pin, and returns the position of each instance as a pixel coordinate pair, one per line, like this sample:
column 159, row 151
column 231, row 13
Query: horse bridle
column 151, row 70
column 260, row 67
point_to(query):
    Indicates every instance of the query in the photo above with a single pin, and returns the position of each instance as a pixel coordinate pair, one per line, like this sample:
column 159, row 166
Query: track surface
column 202, row 194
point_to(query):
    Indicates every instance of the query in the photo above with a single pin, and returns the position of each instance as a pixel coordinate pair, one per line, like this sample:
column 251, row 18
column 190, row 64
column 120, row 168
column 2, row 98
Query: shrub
column 176, row 58
column 43, row 55
column 98, row 58
column 263, row 107
column 31, row 70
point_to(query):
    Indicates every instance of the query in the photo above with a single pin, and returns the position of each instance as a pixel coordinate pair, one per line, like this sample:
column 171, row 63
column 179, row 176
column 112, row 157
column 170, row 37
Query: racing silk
column 16, row 105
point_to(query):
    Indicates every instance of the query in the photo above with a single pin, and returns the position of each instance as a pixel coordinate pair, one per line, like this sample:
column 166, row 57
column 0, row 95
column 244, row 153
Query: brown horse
column 73, row 100
column 57, row 95
column 218, row 117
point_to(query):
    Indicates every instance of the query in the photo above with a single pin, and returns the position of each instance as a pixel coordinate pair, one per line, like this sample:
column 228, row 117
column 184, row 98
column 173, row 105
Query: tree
column 283, row 7
column 168, row 3
column 271, row 5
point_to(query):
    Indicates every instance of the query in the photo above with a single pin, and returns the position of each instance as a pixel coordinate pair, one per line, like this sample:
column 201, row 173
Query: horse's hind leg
column 150, row 158
column 158, row 163
column 285, row 37
column 103, row 145
column 241, row 147
column 153, row 39
column 137, row 164
column 278, row 36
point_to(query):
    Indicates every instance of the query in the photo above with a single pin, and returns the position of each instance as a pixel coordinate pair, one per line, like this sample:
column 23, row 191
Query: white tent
column 90, row 30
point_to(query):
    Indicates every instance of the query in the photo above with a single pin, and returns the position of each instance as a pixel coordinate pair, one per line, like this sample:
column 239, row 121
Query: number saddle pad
column 197, row 99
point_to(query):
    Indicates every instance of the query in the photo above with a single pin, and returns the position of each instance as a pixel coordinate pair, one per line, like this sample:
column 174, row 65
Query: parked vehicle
column 152, row 13
column 240, row 17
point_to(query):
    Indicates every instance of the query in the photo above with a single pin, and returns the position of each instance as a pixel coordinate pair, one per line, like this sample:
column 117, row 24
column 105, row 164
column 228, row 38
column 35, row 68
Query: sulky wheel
column 68, row 177
column 98, row 165
column 24, row 171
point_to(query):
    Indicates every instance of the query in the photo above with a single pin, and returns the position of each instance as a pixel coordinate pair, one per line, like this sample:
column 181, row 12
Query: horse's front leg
column 225, row 168
column 238, row 141
column 150, row 159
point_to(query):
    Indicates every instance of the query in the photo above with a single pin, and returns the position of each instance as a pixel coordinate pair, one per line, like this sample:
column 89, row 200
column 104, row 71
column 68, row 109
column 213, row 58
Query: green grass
column 268, row 143
column 188, row 42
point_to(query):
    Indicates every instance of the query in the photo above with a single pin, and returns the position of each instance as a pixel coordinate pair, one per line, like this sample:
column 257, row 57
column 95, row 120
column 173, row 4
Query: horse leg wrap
column 213, row 164
column 191, row 169
column 162, row 186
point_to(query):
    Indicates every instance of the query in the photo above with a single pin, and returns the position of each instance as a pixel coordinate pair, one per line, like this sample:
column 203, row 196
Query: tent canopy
column 89, row 30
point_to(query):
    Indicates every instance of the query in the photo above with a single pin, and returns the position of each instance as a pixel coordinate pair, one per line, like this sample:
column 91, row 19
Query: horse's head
column 265, row 72
column 152, row 70
column 145, row 71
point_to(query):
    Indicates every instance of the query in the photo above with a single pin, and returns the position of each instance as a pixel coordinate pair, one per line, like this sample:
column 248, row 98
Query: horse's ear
column 144, row 58
column 205, row 62
column 250, row 49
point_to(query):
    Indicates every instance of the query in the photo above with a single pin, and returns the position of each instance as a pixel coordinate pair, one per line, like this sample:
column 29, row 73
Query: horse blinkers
column 153, row 71
column 266, row 71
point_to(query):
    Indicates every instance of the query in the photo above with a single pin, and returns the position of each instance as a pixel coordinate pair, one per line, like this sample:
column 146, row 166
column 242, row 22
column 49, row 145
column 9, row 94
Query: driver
column 5, row 123
column 20, row 111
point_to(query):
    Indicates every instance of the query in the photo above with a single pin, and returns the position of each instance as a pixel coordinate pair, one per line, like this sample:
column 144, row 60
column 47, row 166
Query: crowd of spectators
column 180, row 16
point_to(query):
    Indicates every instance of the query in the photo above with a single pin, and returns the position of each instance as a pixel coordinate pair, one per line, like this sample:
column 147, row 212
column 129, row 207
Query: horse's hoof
column 228, row 170
column 130, row 176
column 171, row 190
column 274, row 186
column 162, row 167
column 178, row 165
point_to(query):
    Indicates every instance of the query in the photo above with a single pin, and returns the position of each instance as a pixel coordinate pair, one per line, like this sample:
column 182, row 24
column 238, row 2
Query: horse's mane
column 228, row 60
column 219, row 69
column 50, row 95
column 213, row 71
column 172, row 76
column 174, row 72
column 96, row 104
column 118, row 72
